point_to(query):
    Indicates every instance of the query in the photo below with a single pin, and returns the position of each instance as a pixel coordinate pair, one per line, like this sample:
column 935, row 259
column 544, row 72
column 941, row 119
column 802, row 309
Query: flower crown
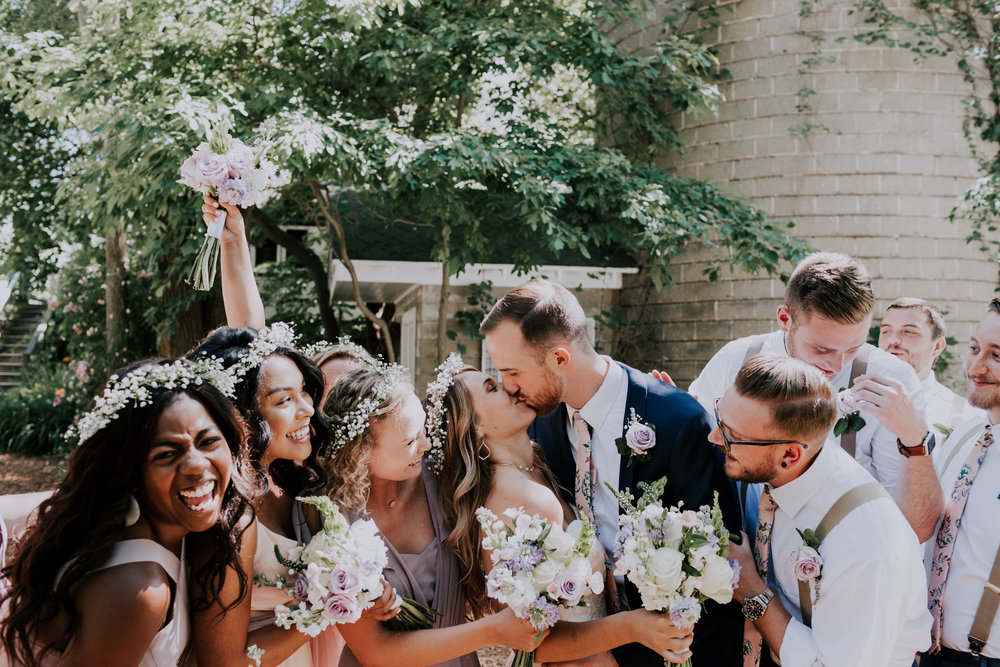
column 267, row 341
column 355, row 422
column 137, row 387
column 436, row 390
column 345, row 344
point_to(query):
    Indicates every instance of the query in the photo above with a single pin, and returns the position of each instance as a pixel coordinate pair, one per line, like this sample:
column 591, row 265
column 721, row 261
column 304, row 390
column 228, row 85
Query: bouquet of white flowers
column 338, row 575
column 234, row 173
column 538, row 569
column 676, row 558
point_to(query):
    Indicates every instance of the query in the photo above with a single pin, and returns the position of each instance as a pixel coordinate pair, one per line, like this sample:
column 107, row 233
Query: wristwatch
column 923, row 449
column 754, row 608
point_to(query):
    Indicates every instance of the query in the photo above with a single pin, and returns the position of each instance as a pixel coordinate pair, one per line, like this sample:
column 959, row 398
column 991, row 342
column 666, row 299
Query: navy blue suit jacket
column 694, row 471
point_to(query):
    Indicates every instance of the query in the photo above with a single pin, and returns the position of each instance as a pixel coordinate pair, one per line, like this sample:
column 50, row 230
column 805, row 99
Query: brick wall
column 878, row 184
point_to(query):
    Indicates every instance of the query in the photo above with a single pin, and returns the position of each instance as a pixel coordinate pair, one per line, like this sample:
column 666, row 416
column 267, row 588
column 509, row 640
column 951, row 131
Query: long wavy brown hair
column 466, row 481
column 347, row 466
column 78, row 526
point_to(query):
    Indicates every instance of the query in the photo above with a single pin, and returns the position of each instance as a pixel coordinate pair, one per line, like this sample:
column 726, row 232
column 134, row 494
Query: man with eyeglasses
column 833, row 575
column 824, row 322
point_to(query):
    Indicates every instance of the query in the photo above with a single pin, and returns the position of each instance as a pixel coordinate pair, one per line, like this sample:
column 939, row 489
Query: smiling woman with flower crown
column 100, row 578
column 376, row 469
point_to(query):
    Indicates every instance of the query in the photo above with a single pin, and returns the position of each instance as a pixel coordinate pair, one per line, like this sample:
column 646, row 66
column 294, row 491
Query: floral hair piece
column 436, row 390
column 267, row 341
column 344, row 343
column 137, row 387
column 356, row 421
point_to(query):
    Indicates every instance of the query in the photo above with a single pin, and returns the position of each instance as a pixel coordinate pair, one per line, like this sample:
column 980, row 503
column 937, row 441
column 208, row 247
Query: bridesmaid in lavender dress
column 376, row 470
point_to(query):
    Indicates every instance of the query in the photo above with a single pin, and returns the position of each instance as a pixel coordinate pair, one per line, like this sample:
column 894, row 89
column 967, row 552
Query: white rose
column 546, row 572
column 665, row 568
column 717, row 580
column 559, row 541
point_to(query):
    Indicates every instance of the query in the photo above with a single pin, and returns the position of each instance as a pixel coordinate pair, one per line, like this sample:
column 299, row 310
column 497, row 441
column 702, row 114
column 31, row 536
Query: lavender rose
column 341, row 609
column 212, row 170
column 344, row 582
column 808, row 563
column 302, row 587
column 640, row 437
column 240, row 160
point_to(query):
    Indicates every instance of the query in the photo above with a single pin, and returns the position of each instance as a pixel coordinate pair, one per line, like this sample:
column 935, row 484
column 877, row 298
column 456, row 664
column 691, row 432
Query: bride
column 479, row 435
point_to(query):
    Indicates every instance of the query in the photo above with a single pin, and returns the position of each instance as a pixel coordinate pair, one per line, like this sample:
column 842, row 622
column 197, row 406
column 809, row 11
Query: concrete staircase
column 16, row 331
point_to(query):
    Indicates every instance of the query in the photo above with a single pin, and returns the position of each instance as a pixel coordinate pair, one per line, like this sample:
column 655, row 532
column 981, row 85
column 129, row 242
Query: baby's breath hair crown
column 267, row 341
column 352, row 424
column 137, row 387
column 436, row 409
column 343, row 343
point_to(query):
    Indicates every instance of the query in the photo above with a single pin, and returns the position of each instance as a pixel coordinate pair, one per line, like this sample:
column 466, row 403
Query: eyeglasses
column 728, row 446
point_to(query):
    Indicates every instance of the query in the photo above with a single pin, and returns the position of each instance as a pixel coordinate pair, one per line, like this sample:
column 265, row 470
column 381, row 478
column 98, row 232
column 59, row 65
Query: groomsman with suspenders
column 824, row 321
column 833, row 575
column 964, row 556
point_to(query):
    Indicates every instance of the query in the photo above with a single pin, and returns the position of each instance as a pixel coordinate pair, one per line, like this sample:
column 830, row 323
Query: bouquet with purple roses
column 677, row 558
column 337, row 576
column 538, row 569
column 236, row 174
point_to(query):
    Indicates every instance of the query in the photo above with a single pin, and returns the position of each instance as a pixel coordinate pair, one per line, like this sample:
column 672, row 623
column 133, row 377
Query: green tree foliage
column 523, row 123
column 969, row 32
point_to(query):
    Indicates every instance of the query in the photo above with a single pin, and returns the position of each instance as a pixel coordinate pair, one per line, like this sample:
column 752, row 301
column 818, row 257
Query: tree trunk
column 333, row 220
column 314, row 265
column 445, row 292
column 114, row 293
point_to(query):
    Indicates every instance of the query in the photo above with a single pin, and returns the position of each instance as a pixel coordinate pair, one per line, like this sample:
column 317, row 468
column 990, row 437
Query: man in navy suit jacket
column 537, row 337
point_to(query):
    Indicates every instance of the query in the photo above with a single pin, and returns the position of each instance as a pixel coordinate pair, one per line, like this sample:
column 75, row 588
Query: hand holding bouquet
column 676, row 558
column 234, row 173
column 538, row 569
column 339, row 575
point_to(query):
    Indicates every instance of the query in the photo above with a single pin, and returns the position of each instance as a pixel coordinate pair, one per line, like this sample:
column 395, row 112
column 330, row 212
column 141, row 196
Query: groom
column 537, row 337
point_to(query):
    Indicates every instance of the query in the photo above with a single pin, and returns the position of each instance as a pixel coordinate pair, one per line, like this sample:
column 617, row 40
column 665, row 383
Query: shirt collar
column 794, row 495
column 596, row 411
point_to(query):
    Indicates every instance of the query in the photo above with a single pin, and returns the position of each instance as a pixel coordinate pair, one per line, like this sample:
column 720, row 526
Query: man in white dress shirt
column 964, row 557
column 860, row 601
column 824, row 322
column 913, row 331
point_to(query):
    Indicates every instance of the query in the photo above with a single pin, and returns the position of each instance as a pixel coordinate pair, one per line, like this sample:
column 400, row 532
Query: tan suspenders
column 847, row 503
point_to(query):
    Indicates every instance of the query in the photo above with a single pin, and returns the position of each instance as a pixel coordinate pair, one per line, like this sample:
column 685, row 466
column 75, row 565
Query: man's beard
column 549, row 395
column 984, row 398
column 758, row 474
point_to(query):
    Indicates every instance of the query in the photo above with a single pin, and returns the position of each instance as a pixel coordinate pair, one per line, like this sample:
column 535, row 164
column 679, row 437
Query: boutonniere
column 807, row 563
column 850, row 414
column 639, row 438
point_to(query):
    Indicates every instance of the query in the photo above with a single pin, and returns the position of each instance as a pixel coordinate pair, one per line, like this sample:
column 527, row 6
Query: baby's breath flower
column 267, row 341
column 436, row 409
column 355, row 422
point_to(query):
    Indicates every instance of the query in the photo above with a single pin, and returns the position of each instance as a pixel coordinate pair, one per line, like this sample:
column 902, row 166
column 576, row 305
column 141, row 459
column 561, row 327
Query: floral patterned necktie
column 944, row 542
column 753, row 641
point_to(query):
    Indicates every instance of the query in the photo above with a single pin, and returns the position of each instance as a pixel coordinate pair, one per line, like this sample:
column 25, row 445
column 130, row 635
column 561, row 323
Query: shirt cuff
column 798, row 646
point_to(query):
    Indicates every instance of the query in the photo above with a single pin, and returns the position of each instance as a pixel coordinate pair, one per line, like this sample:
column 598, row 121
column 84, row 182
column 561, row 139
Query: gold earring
column 482, row 446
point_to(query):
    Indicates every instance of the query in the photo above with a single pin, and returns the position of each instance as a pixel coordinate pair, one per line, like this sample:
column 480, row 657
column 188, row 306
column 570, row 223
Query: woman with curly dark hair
column 277, row 388
column 100, row 577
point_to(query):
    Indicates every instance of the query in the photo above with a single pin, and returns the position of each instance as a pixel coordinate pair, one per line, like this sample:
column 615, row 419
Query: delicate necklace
column 530, row 468
column 392, row 503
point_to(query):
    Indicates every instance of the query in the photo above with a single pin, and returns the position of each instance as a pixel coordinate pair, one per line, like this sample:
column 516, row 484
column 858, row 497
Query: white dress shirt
column 977, row 540
column 945, row 408
column 605, row 414
column 872, row 604
column 875, row 446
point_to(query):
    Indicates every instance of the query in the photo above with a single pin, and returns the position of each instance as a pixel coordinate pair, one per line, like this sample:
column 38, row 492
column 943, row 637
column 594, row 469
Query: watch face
column 752, row 609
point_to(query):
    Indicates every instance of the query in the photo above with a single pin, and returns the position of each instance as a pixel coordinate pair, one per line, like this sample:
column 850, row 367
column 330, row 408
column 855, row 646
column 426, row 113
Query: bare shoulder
column 140, row 593
column 513, row 489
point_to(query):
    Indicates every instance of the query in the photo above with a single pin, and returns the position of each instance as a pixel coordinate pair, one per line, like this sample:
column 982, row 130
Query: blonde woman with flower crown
column 377, row 470
column 486, row 459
